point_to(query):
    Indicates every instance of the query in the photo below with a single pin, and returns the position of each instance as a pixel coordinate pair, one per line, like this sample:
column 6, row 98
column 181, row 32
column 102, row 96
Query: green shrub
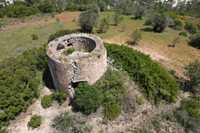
column 192, row 71
column 69, row 51
column 71, row 123
column 35, row 121
column 135, row 37
column 20, row 9
column 88, row 19
column 20, row 78
column 34, row 37
column 87, row 99
column 47, row 6
column 195, row 40
column 47, row 101
column 159, row 22
column 155, row 82
column 190, row 27
column 183, row 34
column 111, row 110
column 60, row 97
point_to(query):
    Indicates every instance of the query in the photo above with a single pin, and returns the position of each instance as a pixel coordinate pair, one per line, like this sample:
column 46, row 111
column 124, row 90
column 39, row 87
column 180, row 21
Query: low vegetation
column 20, row 78
column 47, row 101
column 35, row 121
column 68, row 51
column 71, row 123
column 155, row 82
column 87, row 99
column 193, row 73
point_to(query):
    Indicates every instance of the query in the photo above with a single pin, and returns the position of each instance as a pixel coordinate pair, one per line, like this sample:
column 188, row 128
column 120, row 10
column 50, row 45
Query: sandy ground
column 20, row 124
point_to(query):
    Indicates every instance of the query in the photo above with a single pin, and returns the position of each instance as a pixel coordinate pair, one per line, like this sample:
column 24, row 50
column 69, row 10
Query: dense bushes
column 113, row 90
column 189, row 114
column 156, row 83
column 35, row 121
column 87, row 99
column 195, row 40
column 19, row 9
column 19, row 81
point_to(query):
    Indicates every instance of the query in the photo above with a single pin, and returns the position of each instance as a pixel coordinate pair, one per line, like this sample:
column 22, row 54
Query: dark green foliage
column 60, row 96
column 60, row 33
column 34, row 37
column 71, row 123
column 87, row 99
column 35, row 121
column 189, row 114
column 191, row 28
column 47, row 6
column 193, row 73
column 195, row 40
column 47, row 101
column 19, row 81
column 183, row 34
column 159, row 22
column 156, row 83
column 19, row 9
column 69, row 51
column 88, row 19
column 113, row 92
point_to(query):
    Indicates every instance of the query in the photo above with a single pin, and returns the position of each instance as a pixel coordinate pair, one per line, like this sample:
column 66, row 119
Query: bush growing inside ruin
column 69, row 51
column 88, row 19
column 111, row 86
column 155, row 82
column 184, row 34
column 195, row 40
column 71, row 123
column 35, row 121
column 87, row 99
column 47, row 101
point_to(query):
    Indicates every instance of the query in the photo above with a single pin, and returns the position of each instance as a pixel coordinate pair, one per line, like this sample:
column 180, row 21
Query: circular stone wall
column 76, row 57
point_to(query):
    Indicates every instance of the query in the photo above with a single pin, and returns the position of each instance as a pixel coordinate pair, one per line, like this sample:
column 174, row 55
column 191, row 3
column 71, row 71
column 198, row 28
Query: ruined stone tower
column 75, row 58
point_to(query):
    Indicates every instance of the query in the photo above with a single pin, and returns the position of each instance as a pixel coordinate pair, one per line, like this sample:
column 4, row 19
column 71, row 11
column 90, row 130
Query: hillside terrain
column 149, row 81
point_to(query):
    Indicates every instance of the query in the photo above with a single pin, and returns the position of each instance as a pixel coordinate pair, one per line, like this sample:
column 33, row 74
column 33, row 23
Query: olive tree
column 88, row 19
